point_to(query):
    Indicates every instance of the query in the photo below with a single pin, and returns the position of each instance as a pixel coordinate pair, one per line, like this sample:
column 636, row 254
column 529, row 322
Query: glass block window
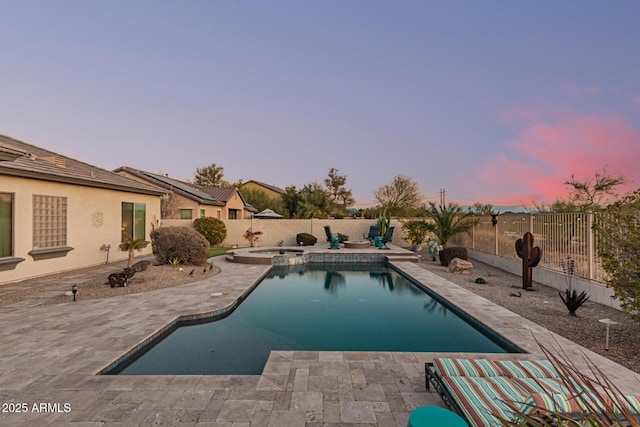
column 133, row 221
column 49, row 221
column 186, row 213
column 6, row 224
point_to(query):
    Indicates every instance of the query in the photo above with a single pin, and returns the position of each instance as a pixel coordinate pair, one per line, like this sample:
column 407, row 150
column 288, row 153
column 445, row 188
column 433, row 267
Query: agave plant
column 571, row 299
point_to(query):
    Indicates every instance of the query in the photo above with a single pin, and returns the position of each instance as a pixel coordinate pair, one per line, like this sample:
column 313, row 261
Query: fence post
column 495, row 235
column 590, row 245
column 531, row 218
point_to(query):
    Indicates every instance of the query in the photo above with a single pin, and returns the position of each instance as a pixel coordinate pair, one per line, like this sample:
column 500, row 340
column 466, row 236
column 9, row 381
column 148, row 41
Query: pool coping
column 52, row 353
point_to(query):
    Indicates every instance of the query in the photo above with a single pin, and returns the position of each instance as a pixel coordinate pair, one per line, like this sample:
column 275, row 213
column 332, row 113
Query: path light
column 419, row 256
column 74, row 291
column 607, row 322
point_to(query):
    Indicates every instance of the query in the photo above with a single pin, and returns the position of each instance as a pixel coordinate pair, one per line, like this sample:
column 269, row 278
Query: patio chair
column 334, row 241
column 374, row 231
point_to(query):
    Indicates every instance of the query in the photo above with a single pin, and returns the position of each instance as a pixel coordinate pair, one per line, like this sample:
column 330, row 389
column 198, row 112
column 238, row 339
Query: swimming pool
column 336, row 307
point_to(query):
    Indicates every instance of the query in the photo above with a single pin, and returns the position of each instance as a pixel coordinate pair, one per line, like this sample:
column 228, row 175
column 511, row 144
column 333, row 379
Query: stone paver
column 51, row 355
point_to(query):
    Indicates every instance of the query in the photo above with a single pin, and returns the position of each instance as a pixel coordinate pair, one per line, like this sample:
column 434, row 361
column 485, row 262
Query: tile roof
column 226, row 193
column 270, row 187
column 17, row 158
column 183, row 188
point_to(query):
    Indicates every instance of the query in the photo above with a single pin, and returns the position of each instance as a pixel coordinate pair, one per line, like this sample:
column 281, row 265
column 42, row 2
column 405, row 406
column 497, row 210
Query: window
column 49, row 221
column 233, row 214
column 201, row 213
column 6, row 225
column 219, row 214
column 186, row 213
column 133, row 221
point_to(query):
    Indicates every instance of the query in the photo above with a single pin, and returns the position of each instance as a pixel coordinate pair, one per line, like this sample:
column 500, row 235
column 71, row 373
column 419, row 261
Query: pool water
column 311, row 307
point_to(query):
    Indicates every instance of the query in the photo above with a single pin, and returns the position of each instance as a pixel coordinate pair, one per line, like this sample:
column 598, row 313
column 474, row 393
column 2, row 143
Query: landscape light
column 608, row 323
column 74, row 290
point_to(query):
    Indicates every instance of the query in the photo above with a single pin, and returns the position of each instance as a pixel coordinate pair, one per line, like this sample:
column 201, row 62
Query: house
column 271, row 190
column 188, row 201
column 59, row 214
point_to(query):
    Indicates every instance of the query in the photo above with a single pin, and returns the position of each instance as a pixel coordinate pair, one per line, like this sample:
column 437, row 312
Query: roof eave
column 78, row 181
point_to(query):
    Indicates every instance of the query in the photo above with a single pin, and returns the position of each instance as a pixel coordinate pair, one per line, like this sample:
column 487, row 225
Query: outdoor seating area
column 486, row 391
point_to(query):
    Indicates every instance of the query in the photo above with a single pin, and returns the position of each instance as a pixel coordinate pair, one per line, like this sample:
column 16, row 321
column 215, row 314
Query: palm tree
column 449, row 221
column 132, row 245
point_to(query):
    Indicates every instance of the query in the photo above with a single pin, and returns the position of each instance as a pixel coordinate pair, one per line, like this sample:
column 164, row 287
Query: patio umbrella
column 267, row 213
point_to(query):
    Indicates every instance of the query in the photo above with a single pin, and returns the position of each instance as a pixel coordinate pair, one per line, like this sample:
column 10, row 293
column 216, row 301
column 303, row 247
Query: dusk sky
column 496, row 101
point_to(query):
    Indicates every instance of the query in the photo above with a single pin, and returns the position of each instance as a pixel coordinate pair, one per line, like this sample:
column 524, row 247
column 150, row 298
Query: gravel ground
column 543, row 306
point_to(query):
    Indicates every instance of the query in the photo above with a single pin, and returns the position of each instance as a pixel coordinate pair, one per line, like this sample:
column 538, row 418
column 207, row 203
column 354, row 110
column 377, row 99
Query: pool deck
column 51, row 354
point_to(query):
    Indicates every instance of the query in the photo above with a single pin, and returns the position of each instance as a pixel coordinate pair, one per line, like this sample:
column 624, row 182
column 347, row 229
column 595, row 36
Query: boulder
column 306, row 239
column 460, row 266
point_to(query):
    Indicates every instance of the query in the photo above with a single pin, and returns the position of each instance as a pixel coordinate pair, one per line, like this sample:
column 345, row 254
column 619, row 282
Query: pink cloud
column 548, row 152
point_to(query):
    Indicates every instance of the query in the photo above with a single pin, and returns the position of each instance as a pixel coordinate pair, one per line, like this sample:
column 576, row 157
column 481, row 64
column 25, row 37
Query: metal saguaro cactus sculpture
column 530, row 258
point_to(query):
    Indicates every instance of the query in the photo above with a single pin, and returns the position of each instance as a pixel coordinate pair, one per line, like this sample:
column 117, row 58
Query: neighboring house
column 271, row 190
column 59, row 214
column 188, row 201
column 237, row 207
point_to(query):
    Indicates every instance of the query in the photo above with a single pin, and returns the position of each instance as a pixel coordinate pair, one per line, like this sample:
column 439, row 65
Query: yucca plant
column 571, row 299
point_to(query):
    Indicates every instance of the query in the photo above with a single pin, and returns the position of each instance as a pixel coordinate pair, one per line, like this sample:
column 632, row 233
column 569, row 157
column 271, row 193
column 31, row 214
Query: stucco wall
column 94, row 218
column 286, row 230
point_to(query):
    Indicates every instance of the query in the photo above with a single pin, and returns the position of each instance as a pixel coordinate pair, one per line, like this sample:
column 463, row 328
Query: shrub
column 306, row 239
column 211, row 228
column 447, row 254
column 182, row 243
column 342, row 237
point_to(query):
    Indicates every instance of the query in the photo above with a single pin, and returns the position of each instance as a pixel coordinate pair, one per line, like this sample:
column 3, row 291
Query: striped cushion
column 480, row 398
column 448, row 367
column 576, row 407
column 527, row 368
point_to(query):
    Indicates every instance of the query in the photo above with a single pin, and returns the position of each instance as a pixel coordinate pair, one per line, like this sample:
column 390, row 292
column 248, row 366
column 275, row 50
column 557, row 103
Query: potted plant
column 416, row 233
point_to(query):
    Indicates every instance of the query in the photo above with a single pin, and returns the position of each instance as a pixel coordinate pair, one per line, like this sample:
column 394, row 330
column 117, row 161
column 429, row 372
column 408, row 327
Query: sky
column 497, row 101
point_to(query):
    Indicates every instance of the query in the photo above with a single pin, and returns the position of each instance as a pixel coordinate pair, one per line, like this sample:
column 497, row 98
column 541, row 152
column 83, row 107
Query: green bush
column 181, row 243
column 306, row 239
column 447, row 254
column 211, row 228
column 342, row 237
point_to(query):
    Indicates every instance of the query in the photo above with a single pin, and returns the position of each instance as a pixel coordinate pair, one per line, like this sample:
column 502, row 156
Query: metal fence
column 560, row 236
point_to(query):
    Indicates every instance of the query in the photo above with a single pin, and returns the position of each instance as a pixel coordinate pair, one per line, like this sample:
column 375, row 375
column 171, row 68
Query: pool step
column 402, row 258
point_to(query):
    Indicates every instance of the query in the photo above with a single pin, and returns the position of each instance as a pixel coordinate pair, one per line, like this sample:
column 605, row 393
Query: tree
column 130, row 245
column 341, row 198
column 592, row 193
column 618, row 244
column 292, row 201
column 209, row 176
column 482, row 209
column 169, row 206
column 315, row 201
column 401, row 194
column 261, row 200
column 449, row 221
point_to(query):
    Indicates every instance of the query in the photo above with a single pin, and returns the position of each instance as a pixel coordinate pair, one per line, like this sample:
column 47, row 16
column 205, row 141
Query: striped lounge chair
column 481, row 390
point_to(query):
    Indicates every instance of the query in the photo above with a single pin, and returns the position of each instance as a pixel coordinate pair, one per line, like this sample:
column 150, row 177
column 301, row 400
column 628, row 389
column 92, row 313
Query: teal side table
column 435, row 416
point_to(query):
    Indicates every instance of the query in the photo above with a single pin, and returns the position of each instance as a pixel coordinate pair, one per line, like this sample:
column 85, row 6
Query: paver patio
column 51, row 354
